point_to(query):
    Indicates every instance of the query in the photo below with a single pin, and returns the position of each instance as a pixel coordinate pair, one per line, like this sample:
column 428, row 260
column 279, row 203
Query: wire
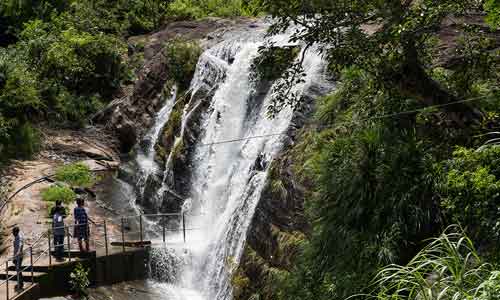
column 351, row 122
column 242, row 139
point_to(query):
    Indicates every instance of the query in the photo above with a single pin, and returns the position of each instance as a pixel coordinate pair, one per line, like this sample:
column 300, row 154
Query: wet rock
column 149, row 199
column 127, row 172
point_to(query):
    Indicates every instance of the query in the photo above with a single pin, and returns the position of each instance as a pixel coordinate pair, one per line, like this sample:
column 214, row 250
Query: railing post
column 140, row 229
column 92, row 235
column 106, row 237
column 50, row 248
column 123, row 235
column 69, row 244
column 7, row 276
column 184, row 227
column 32, row 267
column 163, row 225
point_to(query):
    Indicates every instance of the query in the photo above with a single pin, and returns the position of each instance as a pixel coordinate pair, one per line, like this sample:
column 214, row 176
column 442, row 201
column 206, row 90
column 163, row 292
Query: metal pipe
column 106, row 237
column 123, row 234
column 163, row 225
column 69, row 244
column 92, row 235
column 32, row 267
column 7, row 275
column 50, row 248
column 184, row 227
column 140, row 228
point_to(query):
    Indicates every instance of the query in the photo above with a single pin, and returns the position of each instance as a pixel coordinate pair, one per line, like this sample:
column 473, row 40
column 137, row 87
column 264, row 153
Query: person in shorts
column 81, row 232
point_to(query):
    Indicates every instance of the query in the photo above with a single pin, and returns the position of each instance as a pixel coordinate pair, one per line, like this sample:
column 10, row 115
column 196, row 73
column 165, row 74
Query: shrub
column 80, row 281
column 76, row 174
column 448, row 268
column 469, row 188
column 58, row 192
column 182, row 57
column 26, row 140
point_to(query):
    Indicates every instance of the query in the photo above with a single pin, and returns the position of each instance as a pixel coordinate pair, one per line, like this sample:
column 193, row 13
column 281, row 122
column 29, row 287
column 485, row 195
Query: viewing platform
column 118, row 253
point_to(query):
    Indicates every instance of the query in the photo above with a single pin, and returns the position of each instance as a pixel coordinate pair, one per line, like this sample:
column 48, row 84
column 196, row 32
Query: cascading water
column 225, row 185
column 146, row 155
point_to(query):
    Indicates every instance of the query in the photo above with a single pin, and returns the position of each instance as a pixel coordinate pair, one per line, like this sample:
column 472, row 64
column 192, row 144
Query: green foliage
column 26, row 141
column 19, row 93
column 273, row 61
column 82, row 62
column 448, row 268
column 61, row 69
column 492, row 7
column 76, row 174
column 58, row 192
column 80, row 282
column 470, row 190
column 379, row 186
column 181, row 59
column 16, row 12
column 372, row 183
column 197, row 9
column 394, row 41
column 382, row 181
column 109, row 16
column 369, row 204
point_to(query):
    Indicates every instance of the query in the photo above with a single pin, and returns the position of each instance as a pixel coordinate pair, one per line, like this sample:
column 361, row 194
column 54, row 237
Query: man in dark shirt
column 59, row 207
column 18, row 256
column 58, row 230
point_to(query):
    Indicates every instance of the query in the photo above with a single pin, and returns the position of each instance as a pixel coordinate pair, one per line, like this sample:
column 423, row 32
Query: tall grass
column 449, row 268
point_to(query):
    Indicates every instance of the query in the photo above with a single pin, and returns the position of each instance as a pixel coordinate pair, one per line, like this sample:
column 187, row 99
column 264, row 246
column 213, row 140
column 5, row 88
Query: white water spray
column 146, row 157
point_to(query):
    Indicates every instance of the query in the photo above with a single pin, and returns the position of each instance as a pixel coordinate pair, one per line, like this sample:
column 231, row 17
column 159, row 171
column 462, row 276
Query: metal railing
column 103, row 241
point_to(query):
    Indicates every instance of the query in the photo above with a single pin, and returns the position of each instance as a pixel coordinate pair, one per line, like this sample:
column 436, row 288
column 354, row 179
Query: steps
column 26, row 276
column 12, row 292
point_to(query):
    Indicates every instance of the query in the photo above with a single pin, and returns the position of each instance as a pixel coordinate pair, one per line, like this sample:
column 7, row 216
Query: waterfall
column 146, row 153
column 225, row 186
column 224, row 180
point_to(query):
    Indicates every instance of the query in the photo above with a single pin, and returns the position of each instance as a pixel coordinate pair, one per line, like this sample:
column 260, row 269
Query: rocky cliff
column 132, row 113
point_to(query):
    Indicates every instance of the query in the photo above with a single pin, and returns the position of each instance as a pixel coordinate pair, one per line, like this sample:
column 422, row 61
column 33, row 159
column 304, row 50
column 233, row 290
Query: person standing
column 18, row 257
column 81, row 232
column 58, row 230
column 59, row 207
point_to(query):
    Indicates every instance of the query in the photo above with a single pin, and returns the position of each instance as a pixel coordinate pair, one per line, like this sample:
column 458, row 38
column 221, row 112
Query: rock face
column 131, row 114
column 277, row 228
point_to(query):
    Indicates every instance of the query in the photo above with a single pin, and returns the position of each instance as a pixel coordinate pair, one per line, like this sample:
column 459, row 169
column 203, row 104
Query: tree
column 389, row 39
column 14, row 13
